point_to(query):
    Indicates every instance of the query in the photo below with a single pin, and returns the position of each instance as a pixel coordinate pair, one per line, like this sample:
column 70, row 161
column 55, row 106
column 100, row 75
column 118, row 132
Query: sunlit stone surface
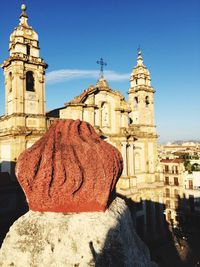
column 79, row 239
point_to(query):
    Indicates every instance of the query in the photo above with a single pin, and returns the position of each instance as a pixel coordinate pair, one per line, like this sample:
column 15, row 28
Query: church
column 128, row 125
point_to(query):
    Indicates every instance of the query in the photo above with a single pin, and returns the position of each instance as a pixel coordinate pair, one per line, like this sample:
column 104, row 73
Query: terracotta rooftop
column 172, row 161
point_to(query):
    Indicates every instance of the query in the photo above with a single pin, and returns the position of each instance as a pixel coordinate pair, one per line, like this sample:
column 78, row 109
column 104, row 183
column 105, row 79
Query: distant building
column 181, row 192
column 189, row 149
column 172, row 173
column 192, row 190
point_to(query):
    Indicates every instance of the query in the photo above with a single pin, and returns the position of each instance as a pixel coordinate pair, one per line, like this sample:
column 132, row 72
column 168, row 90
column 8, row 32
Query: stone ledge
column 80, row 239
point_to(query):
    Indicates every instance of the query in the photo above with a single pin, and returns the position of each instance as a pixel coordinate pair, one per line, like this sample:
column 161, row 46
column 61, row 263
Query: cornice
column 21, row 131
column 27, row 59
column 138, row 88
column 14, row 115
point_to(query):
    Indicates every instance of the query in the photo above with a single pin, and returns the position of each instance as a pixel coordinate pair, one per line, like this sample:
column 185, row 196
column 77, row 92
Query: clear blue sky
column 74, row 34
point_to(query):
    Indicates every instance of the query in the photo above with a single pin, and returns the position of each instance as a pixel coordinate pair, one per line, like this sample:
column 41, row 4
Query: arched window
column 136, row 102
column 28, row 50
column 30, row 81
column 147, row 101
column 10, row 81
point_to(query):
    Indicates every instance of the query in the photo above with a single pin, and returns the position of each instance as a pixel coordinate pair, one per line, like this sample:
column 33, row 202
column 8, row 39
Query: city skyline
column 74, row 35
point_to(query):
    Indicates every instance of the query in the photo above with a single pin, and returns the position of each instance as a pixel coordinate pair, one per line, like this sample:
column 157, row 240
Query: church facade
column 128, row 125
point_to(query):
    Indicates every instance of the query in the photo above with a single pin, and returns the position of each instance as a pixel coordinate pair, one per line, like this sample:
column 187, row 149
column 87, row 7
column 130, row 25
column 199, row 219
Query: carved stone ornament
column 70, row 169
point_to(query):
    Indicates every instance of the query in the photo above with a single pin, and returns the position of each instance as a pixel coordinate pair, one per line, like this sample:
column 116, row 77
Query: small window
column 167, row 192
column 30, row 81
column 176, row 181
column 166, row 180
column 166, row 170
column 28, row 50
column 176, row 169
column 147, row 101
column 190, row 184
column 10, row 82
column 136, row 102
column 176, row 195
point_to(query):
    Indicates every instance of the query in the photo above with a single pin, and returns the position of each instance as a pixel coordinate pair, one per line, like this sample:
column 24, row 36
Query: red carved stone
column 70, row 169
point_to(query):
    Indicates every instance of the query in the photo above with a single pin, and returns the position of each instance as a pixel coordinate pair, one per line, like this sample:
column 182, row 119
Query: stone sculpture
column 70, row 169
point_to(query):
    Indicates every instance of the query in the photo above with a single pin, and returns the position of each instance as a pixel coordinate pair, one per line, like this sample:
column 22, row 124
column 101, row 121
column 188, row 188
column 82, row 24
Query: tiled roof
column 172, row 161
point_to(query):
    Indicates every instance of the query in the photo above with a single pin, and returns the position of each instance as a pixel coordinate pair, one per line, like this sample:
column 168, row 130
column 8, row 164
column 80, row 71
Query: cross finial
column 102, row 64
column 139, row 49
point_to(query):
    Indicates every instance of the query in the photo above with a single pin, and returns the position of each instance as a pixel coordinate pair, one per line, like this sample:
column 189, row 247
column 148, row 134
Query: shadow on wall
column 12, row 200
column 122, row 247
column 154, row 231
column 187, row 232
column 170, row 244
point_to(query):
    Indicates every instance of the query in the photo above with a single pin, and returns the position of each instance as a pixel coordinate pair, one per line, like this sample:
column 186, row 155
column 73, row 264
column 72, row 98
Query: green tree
column 188, row 166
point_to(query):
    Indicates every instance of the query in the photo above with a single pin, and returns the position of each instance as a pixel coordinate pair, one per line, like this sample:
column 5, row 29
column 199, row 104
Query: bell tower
column 141, row 95
column 24, row 72
column 25, row 119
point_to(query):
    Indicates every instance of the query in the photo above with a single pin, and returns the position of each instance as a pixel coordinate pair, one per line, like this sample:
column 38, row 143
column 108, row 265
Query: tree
column 188, row 166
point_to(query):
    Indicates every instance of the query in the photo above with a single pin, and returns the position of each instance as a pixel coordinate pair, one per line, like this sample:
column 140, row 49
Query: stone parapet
column 81, row 239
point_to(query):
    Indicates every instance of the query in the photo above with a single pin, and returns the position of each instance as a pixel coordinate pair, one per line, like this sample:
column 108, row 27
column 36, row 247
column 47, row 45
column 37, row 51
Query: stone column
column 131, row 159
column 117, row 124
column 124, row 155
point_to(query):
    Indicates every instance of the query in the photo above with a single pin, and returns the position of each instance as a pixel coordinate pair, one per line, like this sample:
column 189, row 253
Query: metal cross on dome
column 102, row 64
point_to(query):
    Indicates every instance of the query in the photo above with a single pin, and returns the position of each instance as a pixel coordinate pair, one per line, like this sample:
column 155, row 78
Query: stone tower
column 141, row 101
column 25, row 120
column 141, row 95
column 24, row 73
